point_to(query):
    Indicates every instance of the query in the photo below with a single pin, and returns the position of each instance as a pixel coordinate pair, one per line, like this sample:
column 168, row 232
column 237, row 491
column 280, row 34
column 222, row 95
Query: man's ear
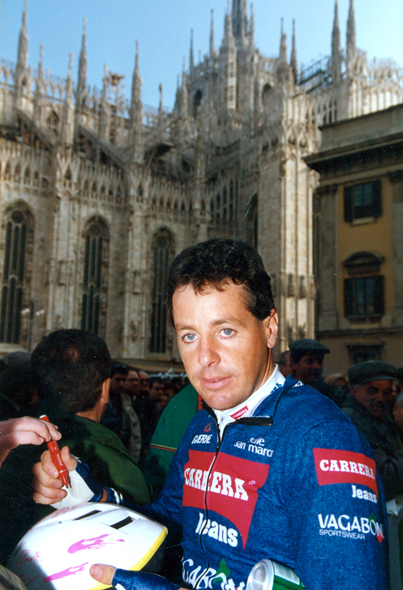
column 105, row 390
column 271, row 327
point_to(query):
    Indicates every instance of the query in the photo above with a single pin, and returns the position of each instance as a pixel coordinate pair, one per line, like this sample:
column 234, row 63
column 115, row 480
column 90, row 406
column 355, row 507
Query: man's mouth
column 214, row 382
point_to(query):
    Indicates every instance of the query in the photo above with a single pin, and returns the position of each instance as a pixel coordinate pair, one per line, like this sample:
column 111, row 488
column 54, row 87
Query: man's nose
column 208, row 353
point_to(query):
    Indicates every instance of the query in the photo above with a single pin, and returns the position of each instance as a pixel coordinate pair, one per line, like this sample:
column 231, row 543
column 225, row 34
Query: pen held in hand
column 57, row 458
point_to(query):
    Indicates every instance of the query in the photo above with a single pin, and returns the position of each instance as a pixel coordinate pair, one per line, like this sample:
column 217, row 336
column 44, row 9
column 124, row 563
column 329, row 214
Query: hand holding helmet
column 60, row 550
column 130, row 580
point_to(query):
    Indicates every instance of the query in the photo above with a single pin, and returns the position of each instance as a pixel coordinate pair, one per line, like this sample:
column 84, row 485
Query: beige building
column 359, row 213
column 98, row 194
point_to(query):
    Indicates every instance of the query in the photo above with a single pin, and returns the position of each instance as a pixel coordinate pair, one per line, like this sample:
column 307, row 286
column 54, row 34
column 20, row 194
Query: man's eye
column 189, row 337
column 227, row 332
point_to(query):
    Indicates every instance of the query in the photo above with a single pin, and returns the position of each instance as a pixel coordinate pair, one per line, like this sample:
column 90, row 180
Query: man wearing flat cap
column 306, row 356
column 369, row 407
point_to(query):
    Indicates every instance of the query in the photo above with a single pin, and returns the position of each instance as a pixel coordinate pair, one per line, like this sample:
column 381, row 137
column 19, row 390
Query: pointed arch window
column 13, row 276
column 95, row 257
column 162, row 254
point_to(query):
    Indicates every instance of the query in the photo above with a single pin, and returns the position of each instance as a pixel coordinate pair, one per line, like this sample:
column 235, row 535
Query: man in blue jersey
column 269, row 468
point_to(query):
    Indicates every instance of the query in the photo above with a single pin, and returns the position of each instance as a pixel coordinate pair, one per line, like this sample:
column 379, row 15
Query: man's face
column 377, row 397
column 225, row 349
column 309, row 368
column 144, row 383
column 132, row 385
column 156, row 391
column 117, row 384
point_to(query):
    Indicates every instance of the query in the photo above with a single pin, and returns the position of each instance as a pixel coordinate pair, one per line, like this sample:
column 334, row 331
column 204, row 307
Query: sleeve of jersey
column 336, row 508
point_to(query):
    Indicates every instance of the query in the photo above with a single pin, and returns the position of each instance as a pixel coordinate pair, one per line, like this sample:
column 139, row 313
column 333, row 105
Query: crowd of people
column 280, row 463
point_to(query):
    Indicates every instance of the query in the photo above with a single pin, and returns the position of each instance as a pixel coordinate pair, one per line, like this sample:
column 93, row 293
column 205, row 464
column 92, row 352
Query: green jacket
column 169, row 432
column 96, row 445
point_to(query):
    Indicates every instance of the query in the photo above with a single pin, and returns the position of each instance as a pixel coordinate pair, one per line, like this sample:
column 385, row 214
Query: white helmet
column 57, row 552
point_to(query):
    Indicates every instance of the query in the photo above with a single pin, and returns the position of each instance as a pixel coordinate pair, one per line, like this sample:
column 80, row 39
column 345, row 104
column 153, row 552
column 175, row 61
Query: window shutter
column 379, row 295
column 348, row 203
column 348, row 298
column 377, row 198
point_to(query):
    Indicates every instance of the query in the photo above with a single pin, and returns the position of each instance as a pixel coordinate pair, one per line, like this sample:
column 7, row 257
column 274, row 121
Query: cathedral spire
column 252, row 27
column 293, row 60
column 212, row 34
column 136, row 113
column 82, row 67
column 69, row 81
column 350, row 44
column 39, row 80
column 67, row 129
column 22, row 59
column 191, row 61
column 283, row 69
column 184, row 102
column 160, row 103
column 239, row 20
column 336, row 51
column 228, row 29
column 103, row 116
column 136, row 106
column 177, row 95
column 39, row 88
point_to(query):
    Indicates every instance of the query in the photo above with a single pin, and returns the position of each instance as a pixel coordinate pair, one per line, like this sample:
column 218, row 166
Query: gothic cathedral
column 97, row 195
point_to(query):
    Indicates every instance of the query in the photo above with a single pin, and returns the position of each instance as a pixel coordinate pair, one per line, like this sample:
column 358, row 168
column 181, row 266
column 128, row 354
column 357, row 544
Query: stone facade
column 109, row 190
column 359, row 210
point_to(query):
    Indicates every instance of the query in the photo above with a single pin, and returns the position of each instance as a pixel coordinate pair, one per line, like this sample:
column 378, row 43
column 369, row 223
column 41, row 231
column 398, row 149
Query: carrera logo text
column 239, row 413
column 217, row 531
column 335, row 466
column 341, row 525
column 232, row 485
column 201, row 439
column 220, row 483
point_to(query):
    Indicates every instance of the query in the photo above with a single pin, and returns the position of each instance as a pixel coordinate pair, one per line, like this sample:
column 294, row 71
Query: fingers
column 46, row 482
column 102, row 573
column 41, row 431
column 68, row 459
column 23, row 431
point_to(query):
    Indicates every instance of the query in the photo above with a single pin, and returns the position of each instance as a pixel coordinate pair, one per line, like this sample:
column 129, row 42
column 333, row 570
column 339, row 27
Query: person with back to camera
column 265, row 469
column 72, row 369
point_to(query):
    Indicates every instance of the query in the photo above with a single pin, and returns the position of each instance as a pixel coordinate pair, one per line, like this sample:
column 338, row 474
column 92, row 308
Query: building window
column 361, row 353
column 94, row 261
column 362, row 200
column 13, row 276
column 162, row 253
column 364, row 290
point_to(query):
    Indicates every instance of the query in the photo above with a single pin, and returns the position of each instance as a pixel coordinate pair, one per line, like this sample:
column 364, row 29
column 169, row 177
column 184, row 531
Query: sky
column 163, row 27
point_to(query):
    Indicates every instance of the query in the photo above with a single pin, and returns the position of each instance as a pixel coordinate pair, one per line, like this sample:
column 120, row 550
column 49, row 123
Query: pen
column 57, row 458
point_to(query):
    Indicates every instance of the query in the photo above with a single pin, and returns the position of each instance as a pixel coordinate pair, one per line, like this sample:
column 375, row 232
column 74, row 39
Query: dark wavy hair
column 70, row 367
column 217, row 261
